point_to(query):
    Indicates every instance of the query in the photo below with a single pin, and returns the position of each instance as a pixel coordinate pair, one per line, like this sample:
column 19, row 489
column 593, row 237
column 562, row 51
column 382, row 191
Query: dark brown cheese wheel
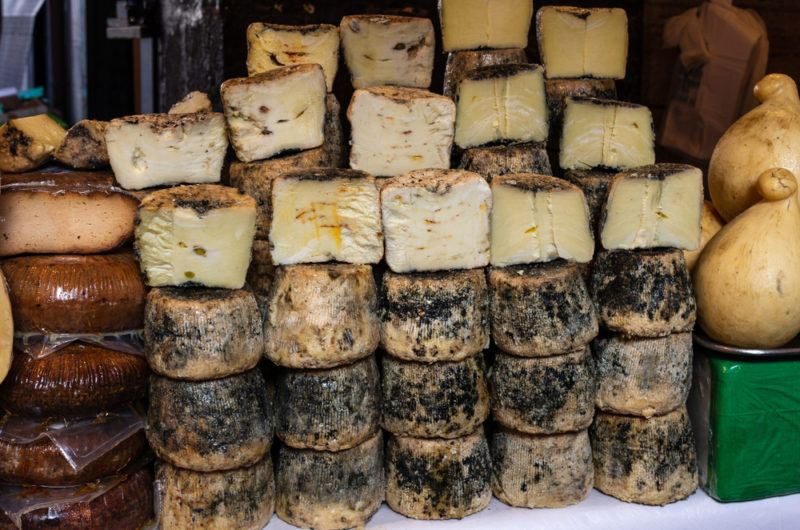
column 542, row 309
column 558, row 90
column 647, row 461
column 438, row 479
column 543, row 395
column 331, row 409
column 438, row 400
column 75, row 294
column 643, row 377
column 462, row 61
column 437, row 316
column 211, row 425
column 200, row 333
column 594, row 183
column 77, row 379
column 239, row 499
column 643, row 293
column 493, row 161
column 328, row 490
column 541, row 470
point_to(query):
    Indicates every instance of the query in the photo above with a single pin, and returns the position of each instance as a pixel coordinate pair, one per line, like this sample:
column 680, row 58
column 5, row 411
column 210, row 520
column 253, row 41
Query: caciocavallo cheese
column 84, row 146
column 459, row 63
column 28, row 143
column 473, row 24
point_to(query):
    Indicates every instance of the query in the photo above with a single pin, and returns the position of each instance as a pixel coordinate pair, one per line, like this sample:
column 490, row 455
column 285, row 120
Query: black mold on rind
column 202, row 198
column 303, row 30
column 595, row 184
column 493, row 161
column 533, row 182
column 655, row 171
column 324, row 174
column 580, row 87
column 495, row 71
column 602, row 102
column 402, row 95
column 266, row 77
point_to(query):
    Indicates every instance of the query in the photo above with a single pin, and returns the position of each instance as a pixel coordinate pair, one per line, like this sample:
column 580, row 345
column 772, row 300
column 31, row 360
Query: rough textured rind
column 438, row 400
column 321, row 316
column 260, row 273
column 84, row 147
column 194, row 101
column 541, row 310
column 493, row 161
column 541, row 471
column 20, row 151
column 439, row 316
column 643, row 293
column 329, row 410
column 595, row 184
column 461, row 62
column 558, row 90
column 211, row 425
column 438, row 479
column 330, row 490
column 647, row 461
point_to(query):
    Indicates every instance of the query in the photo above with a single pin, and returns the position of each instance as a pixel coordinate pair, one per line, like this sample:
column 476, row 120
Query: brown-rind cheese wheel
column 261, row 272
column 594, row 183
column 493, row 161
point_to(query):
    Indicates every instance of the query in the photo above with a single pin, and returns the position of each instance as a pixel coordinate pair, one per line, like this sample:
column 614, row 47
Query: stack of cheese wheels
column 542, row 382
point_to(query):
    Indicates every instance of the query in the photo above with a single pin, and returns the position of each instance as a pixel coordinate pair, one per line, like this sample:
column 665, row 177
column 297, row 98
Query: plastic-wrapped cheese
column 495, row 160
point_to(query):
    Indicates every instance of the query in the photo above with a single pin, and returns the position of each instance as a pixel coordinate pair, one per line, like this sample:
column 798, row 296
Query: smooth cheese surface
column 472, row 24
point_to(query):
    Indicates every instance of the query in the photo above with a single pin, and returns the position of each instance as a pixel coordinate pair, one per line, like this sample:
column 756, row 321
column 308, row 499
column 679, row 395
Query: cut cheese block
column 643, row 377
column 647, row 461
column 271, row 46
column 541, row 471
column 396, row 130
column 75, row 294
column 276, row 111
column 654, row 206
column 594, row 183
column 436, row 220
column 328, row 490
column 58, row 211
column 199, row 235
column 501, row 103
column 211, row 425
column 321, row 316
column 439, row 316
column 710, row 224
column 558, row 90
column 329, row 410
column 459, row 63
column 27, row 143
column 493, row 161
column 472, row 24
column 260, row 273
column 537, row 218
column 643, row 293
column 578, row 42
column 199, row 333
column 388, row 50
column 437, row 400
column 6, row 329
column 84, row 146
column 543, row 395
column 606, row 133
column 194, row 101
column 163, row 149
column 438, row 479
column 239, row 499
column 541, row 310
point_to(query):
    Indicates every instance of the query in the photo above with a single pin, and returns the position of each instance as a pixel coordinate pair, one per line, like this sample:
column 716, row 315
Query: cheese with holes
column 654, row 206
column 196, row 235
column 194, row 101
column 558, row 90
column 84, row 146
column 495, row 160
column 472, row 24
column 436, row 220
column 501, row 103
column 279, row 110
column 606, row 133
column 579, row 42
column 27, row 143
column 396, row 130
column 459, row 63
column 594, row 183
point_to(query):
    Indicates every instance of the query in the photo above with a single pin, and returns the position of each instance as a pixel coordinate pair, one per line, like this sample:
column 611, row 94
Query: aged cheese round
column 542, row 309
column 328, row 490
column 321, row 316
column 594, row 183
column 6, row 329
column 239, row 499
column 438, row 479
column 330, row 409
column 438, row 400
column 261, row 272
column 647, row 461
column 436, row 316
column 541, row 470
column 211, row 425
column 558, row 90
column 75, row 294
column 199, row 333
column 493, row 161
column 643, row 293
column 462, row 61
column 643, row 376
column 543, row 394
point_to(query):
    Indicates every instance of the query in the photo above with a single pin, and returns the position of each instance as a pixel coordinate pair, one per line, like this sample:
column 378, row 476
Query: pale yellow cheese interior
column 473, row 24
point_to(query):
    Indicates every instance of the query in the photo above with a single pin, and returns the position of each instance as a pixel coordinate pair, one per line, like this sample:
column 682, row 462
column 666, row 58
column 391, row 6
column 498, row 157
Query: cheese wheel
column 328, row 490
column 75, row 294
column 260, row 272
column 558, row 90
column 321, row 316
column 6, row 329
column 496, row 160
column 541, row 309
column 438, row 479
column 199, row 334
column 541, row 471
column 211, row 425
column 437, row 316
column 643, row 377
column 239, row 499
column 459, row 63
column 647, row 461
column 543, row 395
column 331, row 409
column 438, row 400
column 643, row 293
column 594, row 183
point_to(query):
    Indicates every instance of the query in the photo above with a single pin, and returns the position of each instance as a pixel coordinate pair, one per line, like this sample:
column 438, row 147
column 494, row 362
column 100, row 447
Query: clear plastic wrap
column 40, row 345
